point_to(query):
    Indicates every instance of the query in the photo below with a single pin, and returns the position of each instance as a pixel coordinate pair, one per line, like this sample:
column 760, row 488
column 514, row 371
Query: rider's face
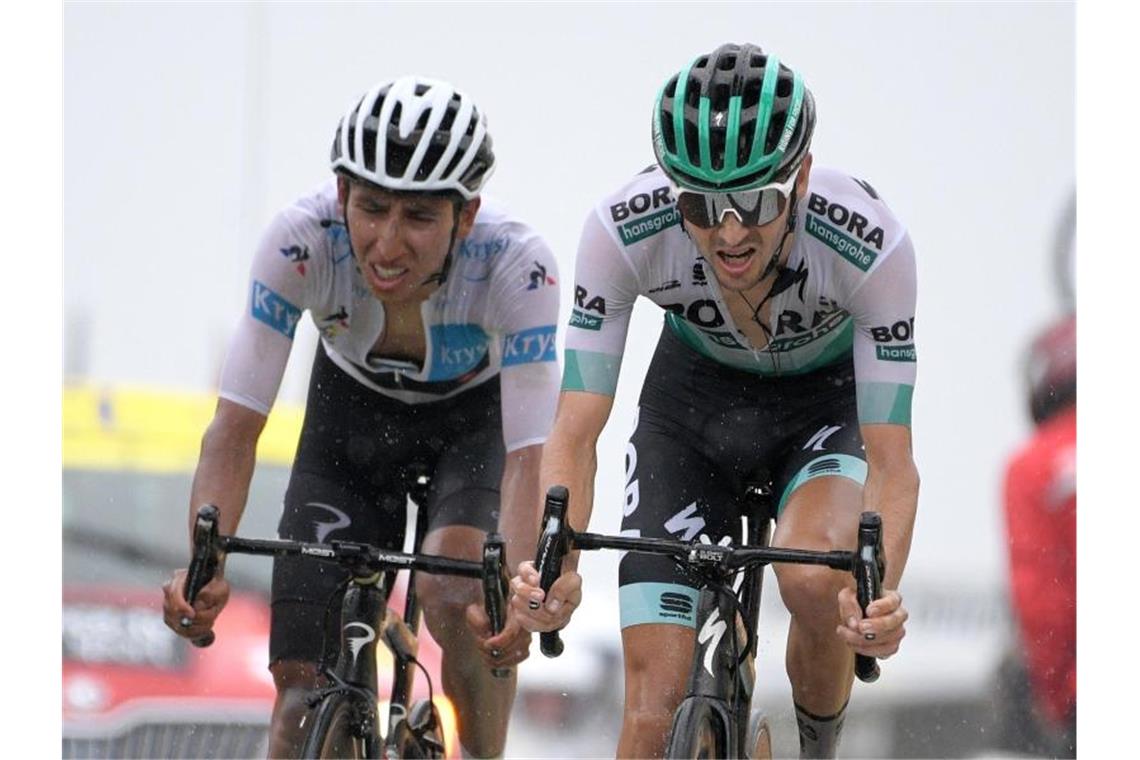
column 400, row 239
column 739, row 254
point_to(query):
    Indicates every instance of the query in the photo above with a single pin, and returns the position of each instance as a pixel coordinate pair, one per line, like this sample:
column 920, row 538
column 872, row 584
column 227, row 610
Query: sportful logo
column 712, row 631
column 896, row 353
column 323, row 528
column 699, row 277
column 674, row 605
column 298, row 255
column 269, row 308
column 356, row 643
column 530, row 346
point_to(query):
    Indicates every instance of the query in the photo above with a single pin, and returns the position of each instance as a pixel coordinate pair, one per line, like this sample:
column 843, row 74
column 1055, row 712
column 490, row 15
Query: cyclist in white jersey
column 787, row 356
column 436, row 310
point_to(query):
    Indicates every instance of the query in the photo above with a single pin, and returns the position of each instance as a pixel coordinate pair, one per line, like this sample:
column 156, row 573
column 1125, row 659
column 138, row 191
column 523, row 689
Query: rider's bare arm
column 521, row 504
column 892, row 490
column 570, row 457
column 225, row 464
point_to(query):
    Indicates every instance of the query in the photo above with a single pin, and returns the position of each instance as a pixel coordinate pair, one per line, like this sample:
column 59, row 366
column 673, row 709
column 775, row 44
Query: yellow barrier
column 150, row 430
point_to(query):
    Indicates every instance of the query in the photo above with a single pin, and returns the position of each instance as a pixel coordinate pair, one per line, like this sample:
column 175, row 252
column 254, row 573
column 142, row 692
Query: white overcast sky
column 185, row 126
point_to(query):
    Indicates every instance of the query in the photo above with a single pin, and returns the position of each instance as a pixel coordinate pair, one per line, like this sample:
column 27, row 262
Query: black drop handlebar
column 361, row 559
column 557, row 538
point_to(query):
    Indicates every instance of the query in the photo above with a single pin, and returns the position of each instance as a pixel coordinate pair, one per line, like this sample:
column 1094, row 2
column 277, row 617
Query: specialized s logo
column 538, row 277
column 711, row 633
column 269, row 308
column 356, row 643
column 322, row 528
column 298, row 255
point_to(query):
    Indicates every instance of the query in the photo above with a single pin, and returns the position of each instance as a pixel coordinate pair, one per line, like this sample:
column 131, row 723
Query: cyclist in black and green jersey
column 787, row 354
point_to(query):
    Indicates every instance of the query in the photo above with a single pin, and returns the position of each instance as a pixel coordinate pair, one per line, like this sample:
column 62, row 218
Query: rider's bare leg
column 657, row 662
column 822, row 515
column 483, row 702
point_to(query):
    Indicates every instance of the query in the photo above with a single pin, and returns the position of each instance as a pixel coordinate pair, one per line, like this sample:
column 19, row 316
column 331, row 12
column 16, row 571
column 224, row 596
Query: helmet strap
column 439, row 277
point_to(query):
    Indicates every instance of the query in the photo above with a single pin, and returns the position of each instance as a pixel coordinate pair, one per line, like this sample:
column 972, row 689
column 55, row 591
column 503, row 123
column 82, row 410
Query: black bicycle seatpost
column 868, row 570
column 203, row 564
column 551, row 550
column 495, row 586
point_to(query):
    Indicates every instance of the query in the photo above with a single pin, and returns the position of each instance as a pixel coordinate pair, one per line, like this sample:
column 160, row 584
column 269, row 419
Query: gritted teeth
column 387, row 273
column 743, row 255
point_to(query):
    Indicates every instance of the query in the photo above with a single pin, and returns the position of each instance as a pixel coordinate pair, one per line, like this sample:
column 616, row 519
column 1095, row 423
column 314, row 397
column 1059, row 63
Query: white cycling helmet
column 434, row 139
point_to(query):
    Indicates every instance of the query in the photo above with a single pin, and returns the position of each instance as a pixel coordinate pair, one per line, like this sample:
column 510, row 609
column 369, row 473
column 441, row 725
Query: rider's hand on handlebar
column 553, row 613
column 209, row 603
column 884, row 624
column 510, row 647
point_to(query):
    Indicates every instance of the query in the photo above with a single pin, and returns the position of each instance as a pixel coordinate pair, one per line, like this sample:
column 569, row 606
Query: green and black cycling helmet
column 734, row 119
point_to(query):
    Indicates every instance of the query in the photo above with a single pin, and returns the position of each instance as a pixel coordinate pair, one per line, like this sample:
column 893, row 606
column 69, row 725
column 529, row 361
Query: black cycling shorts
column 350, row 482
column 704, row 432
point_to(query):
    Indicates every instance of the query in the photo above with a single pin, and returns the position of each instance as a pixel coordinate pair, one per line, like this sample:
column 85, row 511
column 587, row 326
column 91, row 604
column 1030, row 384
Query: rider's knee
column 294, row 680
column 810, row 592
column 444, row 601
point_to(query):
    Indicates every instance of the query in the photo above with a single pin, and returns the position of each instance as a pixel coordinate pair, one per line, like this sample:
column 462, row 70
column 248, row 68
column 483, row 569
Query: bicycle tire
column 698, row 732
column 759, row 736
column 331, row 733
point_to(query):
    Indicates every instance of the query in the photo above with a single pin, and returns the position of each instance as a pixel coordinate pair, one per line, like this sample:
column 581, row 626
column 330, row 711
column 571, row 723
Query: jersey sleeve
column 525, row 297
column 605, row 289
column 282, row 272
column 884, row 347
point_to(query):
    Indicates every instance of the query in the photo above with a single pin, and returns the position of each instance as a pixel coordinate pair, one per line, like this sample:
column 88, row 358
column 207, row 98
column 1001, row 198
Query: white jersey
column 495, row 314
column 850, row 290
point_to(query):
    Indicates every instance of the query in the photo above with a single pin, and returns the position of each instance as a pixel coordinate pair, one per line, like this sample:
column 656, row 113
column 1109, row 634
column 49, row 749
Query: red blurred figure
column 1041, row 524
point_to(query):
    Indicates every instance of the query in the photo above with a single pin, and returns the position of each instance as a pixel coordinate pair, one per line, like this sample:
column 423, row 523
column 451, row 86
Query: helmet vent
column 751, row 94
column 783, row 87
column 421, row 89
column 701, row 62
column 758, row 61
column 726, row 63
column 721, row 93
column 692, row 143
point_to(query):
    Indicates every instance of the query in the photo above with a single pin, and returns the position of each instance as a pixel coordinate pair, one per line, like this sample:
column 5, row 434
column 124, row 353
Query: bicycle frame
column 365, row 616
column 722, row 675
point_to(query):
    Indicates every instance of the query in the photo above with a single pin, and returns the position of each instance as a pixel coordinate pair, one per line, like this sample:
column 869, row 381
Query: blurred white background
column 186, row 126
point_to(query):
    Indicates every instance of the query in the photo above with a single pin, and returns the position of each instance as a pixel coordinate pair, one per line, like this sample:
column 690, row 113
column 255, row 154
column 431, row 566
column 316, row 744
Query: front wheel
column 336, row 730
column 759, row 736
column 698, row 732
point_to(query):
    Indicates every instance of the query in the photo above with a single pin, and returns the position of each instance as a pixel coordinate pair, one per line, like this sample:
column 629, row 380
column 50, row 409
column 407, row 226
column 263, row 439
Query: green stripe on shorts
column 591, row 371
column 668, row 603
column 843, row 465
